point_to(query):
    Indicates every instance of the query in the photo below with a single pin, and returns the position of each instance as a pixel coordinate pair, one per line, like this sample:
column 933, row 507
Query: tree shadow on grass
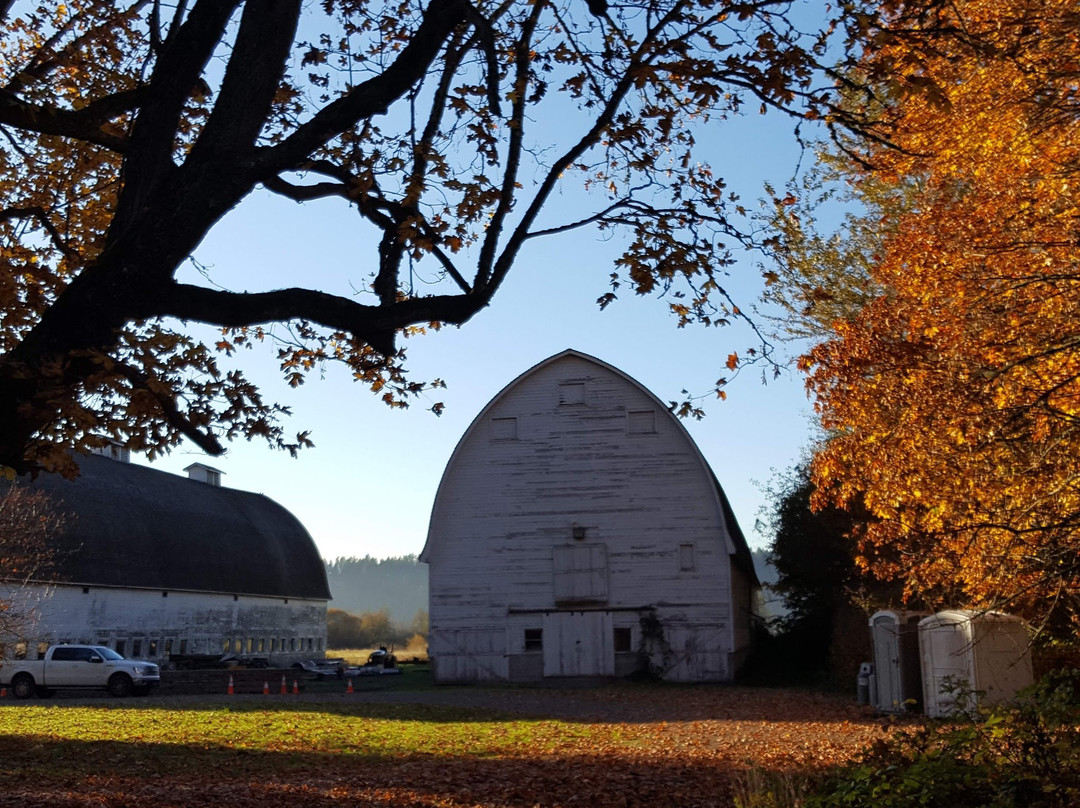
column 45, row 772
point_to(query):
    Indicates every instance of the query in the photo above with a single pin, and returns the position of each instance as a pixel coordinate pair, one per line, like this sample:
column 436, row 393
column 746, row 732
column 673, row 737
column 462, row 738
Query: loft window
column 622, row 640
column 686, row 557
column 534, row 639
column 504, row 429
column 580, row 573
column 641, row 422
column 571, row 393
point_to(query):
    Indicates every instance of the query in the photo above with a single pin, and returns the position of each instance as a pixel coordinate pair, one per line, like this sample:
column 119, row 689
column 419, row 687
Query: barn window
column 273, row 645
column 640, row 422
column 250, row 645
column 121, row 647
column 152, row 648
column 86, row 590
column 20, row 650
column 504, row 428
column 580, row 573
column 238, row 645
column 164, row 594
column 571, row 393
column 686, row 557
column 168, row 647
column 42, row 647
column 262, row 644
column 622, row 639
column 183, row 646
column 534, row 639
column 318, row 643
column 136, row 648
column 292, row 643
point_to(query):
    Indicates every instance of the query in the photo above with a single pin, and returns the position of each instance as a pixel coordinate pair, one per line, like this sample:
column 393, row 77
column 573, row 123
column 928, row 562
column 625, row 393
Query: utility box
column 895, row 637
column 986, row 653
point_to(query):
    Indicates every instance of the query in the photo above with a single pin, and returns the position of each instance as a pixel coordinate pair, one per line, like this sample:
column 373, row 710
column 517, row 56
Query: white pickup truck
column 78, row 666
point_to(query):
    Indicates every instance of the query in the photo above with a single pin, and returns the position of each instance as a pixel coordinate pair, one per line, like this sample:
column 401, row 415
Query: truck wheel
column 22, row 685
column 119, row 685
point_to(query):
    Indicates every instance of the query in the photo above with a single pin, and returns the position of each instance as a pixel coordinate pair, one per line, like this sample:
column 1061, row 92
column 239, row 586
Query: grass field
column 324, row 749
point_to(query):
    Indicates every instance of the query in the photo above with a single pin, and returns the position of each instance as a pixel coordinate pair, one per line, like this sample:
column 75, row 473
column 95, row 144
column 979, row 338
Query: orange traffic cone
column 349, row 688
column 3, row 692
column 231, row 690
column 266, row 688
column 283, row 690
column 295, row 687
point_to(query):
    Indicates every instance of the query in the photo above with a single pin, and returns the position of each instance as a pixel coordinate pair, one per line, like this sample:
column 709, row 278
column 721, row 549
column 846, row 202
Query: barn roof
column 133, row 526
column 740, row 550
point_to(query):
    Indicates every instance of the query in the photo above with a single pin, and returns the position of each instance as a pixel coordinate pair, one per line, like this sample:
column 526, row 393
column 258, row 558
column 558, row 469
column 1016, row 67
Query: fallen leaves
column 617, row 746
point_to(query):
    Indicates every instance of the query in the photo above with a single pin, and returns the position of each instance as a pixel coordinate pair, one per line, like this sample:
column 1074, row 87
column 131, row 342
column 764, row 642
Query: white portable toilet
column 897, row 667
column 987, row 652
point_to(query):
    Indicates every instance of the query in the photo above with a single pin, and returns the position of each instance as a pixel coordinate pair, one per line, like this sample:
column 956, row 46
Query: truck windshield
column 107, row 653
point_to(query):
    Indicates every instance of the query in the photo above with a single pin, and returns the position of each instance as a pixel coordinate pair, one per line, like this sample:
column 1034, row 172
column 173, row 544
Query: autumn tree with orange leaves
column 952, row 397
column 130, row 129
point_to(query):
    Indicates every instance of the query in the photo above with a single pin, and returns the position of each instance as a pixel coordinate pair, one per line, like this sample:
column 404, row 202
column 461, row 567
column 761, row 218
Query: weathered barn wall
column 574, row 506
column 155, row 624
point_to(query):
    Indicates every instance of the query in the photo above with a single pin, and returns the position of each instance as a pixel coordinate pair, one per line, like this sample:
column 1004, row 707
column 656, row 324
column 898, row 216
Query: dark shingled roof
column 132, row 526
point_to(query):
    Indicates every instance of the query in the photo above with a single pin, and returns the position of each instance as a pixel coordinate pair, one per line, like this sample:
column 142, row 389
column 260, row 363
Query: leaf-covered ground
column 612, row 746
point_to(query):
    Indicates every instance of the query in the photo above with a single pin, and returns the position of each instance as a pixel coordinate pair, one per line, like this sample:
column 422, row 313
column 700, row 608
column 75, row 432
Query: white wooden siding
column 204, row 622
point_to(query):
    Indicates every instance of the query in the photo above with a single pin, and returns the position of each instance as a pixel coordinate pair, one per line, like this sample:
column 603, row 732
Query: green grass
column 64, row 740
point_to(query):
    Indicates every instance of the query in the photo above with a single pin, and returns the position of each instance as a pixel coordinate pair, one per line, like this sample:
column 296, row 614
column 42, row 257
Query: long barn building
column 154, row 565
column 579, row 531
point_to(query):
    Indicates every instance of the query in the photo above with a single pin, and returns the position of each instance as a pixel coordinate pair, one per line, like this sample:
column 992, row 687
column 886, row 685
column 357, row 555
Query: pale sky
column 367, row 486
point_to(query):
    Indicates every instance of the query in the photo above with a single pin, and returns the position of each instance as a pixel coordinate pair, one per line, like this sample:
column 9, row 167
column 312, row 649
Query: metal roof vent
column 204, row 474
column 113, row 449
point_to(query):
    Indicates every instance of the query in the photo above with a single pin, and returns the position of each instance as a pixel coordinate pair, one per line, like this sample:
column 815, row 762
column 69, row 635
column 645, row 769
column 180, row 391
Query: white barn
column 155, row 565
column 578, row 531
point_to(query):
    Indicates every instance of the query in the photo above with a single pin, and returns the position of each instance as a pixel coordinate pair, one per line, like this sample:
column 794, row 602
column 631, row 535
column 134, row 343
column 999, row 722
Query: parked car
column 79, row 666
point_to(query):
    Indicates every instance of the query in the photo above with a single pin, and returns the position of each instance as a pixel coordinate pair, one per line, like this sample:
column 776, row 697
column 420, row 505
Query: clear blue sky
column 368, row 485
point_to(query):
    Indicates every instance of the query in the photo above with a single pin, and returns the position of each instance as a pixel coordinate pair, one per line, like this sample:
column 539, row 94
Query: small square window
column 504, row 429
column 534, row 639
column 571, row 393
column 622, row 640
column 641, row 422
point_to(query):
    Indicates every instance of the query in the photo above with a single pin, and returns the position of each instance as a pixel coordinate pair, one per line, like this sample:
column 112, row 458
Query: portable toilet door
column 980, row 651
column 895, row 636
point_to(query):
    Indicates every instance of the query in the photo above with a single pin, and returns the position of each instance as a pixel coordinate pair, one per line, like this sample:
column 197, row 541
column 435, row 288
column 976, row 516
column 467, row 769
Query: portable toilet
column 895, row 637
column 986, row 652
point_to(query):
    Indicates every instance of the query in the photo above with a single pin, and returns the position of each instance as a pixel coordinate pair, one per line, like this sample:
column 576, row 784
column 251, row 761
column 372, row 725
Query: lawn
column 619, row 746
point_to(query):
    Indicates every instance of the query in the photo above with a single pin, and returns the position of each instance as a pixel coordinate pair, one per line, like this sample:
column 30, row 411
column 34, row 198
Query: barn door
column 578, row 644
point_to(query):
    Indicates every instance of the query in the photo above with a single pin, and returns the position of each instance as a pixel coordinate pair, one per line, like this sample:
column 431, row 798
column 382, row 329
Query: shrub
column 1025, row 755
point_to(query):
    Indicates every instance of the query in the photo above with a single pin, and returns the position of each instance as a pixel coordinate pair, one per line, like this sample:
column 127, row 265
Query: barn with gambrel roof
column 579, row 531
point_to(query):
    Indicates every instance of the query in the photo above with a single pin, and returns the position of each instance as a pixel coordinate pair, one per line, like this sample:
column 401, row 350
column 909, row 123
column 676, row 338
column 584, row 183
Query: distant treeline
column 362, row 585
